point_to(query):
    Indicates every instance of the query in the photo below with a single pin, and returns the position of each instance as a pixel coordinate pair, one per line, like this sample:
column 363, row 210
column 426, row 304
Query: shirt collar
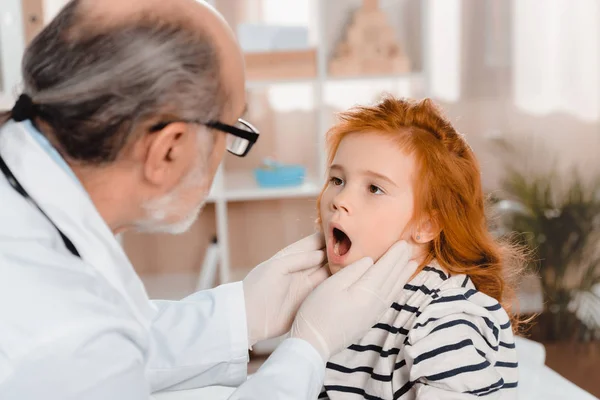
column 50, row 149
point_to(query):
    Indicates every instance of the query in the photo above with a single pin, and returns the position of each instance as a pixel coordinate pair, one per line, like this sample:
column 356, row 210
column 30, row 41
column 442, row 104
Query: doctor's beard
column 167, row 214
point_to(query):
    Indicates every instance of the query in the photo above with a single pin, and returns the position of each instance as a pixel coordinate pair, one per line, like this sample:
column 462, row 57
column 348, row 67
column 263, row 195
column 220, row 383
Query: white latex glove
column 345, row 306
column 274, row 290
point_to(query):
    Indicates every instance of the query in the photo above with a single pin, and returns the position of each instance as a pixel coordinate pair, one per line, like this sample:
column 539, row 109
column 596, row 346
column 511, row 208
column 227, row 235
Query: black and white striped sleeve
column 454, row 351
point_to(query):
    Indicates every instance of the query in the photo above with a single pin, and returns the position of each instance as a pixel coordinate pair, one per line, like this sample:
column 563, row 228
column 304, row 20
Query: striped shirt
column 442, row 339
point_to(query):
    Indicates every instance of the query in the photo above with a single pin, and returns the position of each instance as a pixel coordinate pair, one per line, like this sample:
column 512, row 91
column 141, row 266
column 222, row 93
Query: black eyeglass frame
column 251, row 135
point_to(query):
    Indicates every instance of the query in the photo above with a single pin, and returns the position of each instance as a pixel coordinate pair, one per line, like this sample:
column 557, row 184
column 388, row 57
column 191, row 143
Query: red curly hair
column 447, row 187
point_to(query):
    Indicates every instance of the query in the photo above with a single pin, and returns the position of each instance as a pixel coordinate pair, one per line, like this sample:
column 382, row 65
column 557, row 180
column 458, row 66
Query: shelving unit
column 239, row 186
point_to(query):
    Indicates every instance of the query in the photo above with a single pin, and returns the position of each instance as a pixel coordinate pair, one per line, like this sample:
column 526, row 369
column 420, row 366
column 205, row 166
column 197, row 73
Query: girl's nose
column 340, row 203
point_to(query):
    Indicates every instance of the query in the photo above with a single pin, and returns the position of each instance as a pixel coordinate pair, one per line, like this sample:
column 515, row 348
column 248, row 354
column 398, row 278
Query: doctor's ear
column 170, row 152
column 426, row 229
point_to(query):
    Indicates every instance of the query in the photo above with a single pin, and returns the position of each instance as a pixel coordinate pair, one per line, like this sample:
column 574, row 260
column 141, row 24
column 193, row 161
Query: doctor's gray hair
column 95, row 86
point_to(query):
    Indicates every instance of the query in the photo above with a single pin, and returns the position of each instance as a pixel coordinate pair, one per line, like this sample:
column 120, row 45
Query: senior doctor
column 126, row 112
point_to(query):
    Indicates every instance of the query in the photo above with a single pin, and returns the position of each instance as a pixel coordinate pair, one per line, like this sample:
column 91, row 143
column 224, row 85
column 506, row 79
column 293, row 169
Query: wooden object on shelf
column 281, row 64
column 369, row 47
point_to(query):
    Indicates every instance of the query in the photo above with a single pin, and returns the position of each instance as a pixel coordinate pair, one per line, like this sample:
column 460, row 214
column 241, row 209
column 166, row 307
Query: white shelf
column 241, row 186
column 362, row 78
column 258, row 84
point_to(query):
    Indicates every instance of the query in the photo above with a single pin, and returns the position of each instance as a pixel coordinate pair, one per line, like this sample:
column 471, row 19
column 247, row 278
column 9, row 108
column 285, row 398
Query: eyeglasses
column 240, row 137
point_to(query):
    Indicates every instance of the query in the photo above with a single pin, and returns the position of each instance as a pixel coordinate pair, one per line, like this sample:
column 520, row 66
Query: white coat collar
column 73, row 212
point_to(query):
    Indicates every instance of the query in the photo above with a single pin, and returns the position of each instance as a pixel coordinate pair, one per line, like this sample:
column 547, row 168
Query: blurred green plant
column 558, row 217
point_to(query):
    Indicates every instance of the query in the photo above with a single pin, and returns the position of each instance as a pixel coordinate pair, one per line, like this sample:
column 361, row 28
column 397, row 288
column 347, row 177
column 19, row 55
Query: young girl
column 399, row 170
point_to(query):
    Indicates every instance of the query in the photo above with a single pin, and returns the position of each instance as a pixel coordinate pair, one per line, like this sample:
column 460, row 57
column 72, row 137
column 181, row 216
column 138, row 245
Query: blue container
column 279, row 175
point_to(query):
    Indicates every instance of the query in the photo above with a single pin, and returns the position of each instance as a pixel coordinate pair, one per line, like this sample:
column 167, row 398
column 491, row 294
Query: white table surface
column 536, row 382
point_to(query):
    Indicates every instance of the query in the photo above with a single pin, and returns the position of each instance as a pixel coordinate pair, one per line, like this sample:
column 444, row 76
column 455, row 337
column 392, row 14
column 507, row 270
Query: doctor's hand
column 274, row 290
column 345, row 306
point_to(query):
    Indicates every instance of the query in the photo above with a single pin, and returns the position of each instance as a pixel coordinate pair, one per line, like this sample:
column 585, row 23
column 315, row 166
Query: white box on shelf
column 242, row 186
column 264, row 38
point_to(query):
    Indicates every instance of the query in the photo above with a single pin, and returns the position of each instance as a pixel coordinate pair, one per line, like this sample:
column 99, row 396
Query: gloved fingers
column 401, row 271
column 352, row 273
column 400, row 280
column 405, row 273
column 316, row 241
column 303, row 261
column 380, row 276
column 318, row 275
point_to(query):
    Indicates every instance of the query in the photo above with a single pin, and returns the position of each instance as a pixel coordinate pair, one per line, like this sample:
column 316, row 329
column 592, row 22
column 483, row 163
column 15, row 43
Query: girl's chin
column 334, row 268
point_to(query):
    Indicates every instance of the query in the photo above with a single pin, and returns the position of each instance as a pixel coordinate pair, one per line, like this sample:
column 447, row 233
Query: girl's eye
column 375, row 189
column 336, row 181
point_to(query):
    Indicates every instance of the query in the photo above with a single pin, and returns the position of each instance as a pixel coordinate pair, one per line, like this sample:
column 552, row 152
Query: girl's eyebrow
column 379, row 176
column 367, row 173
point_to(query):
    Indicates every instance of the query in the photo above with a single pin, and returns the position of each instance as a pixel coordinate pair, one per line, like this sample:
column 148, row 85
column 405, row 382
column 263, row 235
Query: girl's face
column 368, row 201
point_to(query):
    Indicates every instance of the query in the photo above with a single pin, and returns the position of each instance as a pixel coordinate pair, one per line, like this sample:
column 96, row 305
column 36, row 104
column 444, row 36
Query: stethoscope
column 12, row 180
column 19, row 188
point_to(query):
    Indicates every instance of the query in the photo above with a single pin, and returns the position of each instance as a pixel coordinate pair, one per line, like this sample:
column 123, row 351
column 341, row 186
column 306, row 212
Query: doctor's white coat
column 84, row 328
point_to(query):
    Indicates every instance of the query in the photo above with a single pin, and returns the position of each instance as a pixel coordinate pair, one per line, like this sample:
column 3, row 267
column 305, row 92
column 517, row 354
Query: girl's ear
column 427, row 229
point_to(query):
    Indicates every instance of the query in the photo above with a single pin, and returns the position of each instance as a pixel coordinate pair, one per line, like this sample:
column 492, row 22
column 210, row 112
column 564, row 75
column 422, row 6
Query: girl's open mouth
column 342, row 242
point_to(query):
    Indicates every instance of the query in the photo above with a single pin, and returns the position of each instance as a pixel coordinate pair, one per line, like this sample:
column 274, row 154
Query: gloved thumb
column 310, row 243
column 318, row 275
column 353, row 272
